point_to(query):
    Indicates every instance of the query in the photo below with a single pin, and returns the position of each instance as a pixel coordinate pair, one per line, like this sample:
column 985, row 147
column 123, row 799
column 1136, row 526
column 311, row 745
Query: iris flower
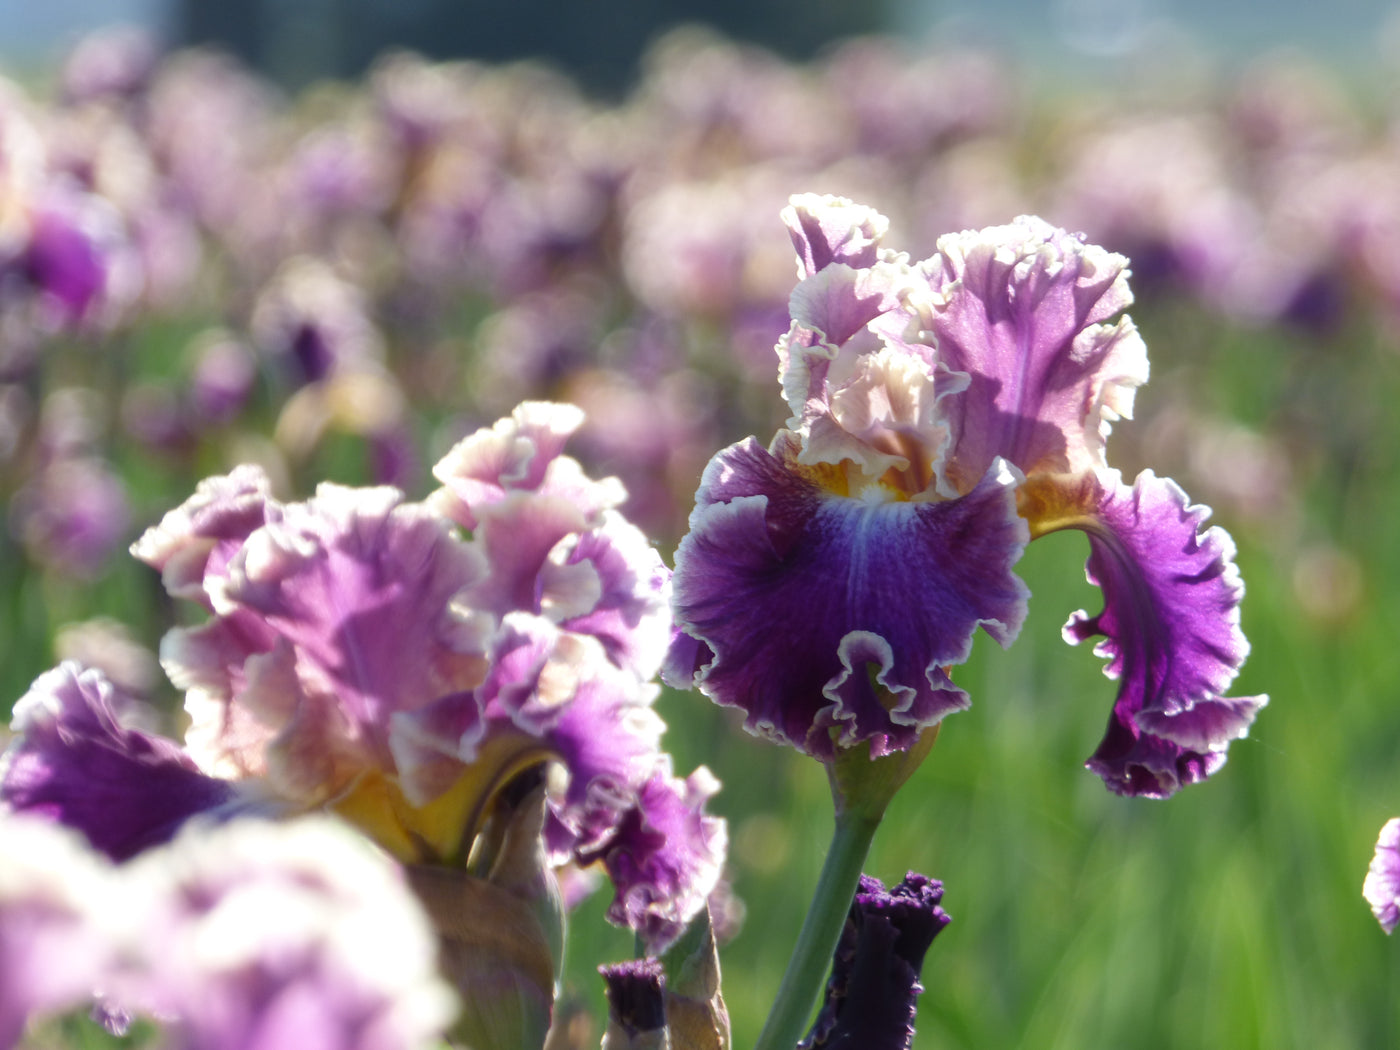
column 1382, row 886
column 943, row 414
column 419, row 669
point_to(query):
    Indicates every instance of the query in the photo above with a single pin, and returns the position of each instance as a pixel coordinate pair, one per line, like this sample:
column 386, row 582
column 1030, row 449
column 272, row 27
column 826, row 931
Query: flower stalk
column 811, row 955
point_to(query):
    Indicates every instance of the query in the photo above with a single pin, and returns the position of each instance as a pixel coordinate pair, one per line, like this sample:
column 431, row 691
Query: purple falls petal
column 1171, row 633
column 1382, row 886
column 666, row 857
column 73, row 762
column 559, row 691
column 830, row 621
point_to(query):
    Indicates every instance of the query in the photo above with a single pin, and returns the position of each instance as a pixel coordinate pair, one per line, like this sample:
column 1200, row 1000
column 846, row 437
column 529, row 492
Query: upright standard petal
column 830, row 620
column 1023, row 309
column 828, row 230
column 1170, row 624
column 521, row 453
column 73, row 762
column 551, row 538
column 357, row 586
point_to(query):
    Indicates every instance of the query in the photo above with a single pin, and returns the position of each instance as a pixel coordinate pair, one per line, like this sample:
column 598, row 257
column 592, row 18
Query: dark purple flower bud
column 636, row 1003
column 870, row 999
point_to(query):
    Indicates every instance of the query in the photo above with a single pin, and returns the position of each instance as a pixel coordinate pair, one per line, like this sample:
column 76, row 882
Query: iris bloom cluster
column 943, row 414
column 419, row 669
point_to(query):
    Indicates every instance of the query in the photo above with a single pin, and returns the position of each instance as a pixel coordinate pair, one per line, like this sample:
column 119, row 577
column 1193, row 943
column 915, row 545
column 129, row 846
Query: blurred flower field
column 197, row 272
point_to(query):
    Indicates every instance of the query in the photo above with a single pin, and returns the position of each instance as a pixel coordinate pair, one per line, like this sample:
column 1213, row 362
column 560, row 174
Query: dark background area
column 297, row 41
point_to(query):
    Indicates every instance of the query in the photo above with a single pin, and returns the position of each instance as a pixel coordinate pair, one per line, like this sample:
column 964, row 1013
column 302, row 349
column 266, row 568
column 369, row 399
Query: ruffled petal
column 831, row 620
column 73, row 762
column 631, row 615
column 1022, row 309
column 827, row 230
column 358, row 588
column 1170, row 624
column 665, row 857
column 552, row 542
column 1382, row 886
column 832, row 317
column 196, row 540
column 558, row 693
column 521, row 453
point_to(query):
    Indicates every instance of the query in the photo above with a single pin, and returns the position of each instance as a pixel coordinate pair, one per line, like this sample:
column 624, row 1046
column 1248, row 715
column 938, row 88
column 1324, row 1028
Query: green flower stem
column 811, row 956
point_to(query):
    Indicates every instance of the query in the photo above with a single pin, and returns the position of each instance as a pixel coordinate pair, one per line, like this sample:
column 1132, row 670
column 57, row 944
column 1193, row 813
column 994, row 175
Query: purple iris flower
column 280, row 936
column 870, row 999
column 1382, row 886
column 55, row 922
column 944, row 413
column 362, row 654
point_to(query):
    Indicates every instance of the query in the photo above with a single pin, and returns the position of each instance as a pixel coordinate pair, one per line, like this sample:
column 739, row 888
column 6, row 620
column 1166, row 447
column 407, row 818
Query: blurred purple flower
column 871, row 997
column 117, row 63
column 56, row 913
column 943, row 414
column 223, row 378
column 246, row 934
column 1382, row 886
column 76, row 258
column 72, row 515
column 314, row 323
column 283, row 936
